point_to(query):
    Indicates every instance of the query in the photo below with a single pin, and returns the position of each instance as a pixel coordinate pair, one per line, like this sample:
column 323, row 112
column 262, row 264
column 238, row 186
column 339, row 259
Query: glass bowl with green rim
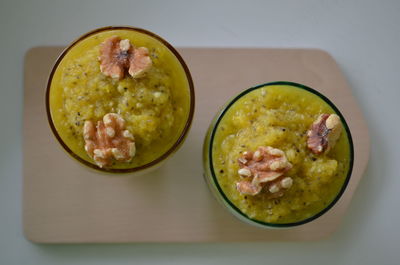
column 77, row 91
column 277, row 114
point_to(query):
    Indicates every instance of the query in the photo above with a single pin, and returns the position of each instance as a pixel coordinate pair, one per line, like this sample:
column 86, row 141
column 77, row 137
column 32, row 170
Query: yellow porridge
column 267, row 136
column 151, row 96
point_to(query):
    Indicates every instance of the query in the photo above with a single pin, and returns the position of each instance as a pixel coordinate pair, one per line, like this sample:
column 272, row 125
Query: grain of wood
column 64, row 202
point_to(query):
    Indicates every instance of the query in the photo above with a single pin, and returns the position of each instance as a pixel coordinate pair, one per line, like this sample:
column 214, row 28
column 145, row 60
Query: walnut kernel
column 263, row 168
column 324, row 133
column 108, row 140
column 117, row 56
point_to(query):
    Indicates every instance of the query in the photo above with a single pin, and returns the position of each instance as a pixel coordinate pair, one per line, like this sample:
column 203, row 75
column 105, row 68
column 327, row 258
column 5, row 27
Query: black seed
column 313, row 159
column 79, row 114
column 221, row 171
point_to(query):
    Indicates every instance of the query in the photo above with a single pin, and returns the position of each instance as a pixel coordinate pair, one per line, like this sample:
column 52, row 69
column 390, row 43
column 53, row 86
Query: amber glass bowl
column 184, row 125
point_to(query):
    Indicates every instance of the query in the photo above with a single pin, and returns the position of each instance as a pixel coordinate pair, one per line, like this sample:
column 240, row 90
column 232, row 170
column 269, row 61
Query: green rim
column 237, row 210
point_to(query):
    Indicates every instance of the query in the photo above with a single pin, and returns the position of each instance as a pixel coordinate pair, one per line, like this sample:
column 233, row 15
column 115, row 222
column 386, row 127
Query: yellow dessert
column 154, row 101
column 275, row 121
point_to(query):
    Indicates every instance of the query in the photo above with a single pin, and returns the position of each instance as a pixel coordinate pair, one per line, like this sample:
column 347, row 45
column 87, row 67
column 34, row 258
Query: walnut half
column 108, row 140
column 324, row 133
column 264, row 168
column 118, row 55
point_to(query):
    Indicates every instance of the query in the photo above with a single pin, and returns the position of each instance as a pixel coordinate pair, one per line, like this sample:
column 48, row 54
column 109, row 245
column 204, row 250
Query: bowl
column 149, row 87
column 276, row 116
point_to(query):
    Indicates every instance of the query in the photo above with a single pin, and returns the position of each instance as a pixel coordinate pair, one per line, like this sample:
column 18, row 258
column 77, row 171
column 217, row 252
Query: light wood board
column 65, row 202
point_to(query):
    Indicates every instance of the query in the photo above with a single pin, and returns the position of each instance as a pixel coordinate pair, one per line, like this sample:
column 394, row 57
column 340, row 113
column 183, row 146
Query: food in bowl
column 120, row 99
column 279, row 154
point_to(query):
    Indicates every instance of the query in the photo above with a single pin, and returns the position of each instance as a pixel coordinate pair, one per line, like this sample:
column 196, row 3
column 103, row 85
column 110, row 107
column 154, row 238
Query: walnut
column 108, row 140
column 278, row 186
column 265, row 168
column 139, row 62
column 117, row 55
column 324, row 133
column 114, row 57
column 246, row 187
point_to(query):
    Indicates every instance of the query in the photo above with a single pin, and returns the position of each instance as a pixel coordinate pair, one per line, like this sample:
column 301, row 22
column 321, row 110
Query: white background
column 364, row 38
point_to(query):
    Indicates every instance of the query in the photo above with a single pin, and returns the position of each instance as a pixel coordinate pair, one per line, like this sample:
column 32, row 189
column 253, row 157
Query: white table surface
column 364, row 38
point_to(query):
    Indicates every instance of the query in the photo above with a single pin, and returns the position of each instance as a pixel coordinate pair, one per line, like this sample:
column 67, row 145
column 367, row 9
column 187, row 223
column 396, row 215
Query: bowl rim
column 225, row 199
column 166, row 154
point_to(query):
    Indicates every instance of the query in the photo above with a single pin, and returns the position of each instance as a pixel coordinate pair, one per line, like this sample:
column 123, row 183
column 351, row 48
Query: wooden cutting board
column 64, row 202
